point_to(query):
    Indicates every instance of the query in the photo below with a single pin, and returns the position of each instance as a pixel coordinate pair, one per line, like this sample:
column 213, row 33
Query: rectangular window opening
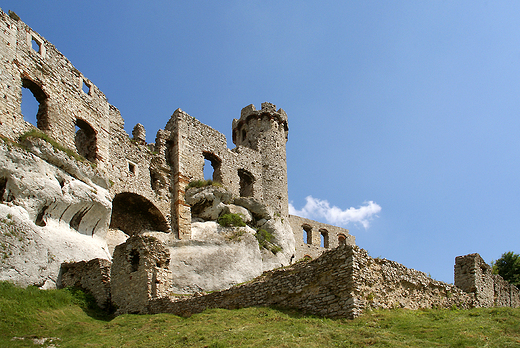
column 85, row 87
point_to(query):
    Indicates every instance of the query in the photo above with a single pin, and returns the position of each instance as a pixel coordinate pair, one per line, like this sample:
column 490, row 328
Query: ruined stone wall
column 139, row 176
column 381, row 283
column 139, row 273
column 30, row 61
column 341, row 283
column 472, row 274
column 92, row 276
column 309, row 243
column 191, row 143
column 77, row 115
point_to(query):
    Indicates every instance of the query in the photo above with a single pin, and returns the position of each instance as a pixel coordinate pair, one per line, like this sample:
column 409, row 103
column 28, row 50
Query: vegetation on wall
column 35, row 133
column 264, row 240
column 204, row 183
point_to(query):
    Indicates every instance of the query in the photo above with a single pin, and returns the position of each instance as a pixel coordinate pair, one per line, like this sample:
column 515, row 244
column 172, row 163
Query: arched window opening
column 86, row 143
column 324, row 235
column 342, row 239
column 134, row 214
column 34, row 104
column 307, row 234
column 212, row 167
column 246, row 183
column 244, row 135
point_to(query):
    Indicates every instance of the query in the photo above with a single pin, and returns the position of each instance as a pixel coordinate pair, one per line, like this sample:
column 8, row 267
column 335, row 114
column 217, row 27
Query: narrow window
column 307, row 234
column 342, row 239
column 86, row 142
column 324, row 235
column 34, row 104
column 134, row 260
column 85, row 86
column 35, row 45
column 246, row 183
column 244, row 134
column 132, row 168
column 212, row 167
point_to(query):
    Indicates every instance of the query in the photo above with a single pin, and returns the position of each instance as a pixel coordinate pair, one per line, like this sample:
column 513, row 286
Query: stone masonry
column 147, row 182
column 121, row 186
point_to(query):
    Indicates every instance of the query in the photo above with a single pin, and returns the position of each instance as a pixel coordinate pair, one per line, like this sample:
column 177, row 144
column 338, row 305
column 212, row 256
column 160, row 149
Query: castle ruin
column 160, row 233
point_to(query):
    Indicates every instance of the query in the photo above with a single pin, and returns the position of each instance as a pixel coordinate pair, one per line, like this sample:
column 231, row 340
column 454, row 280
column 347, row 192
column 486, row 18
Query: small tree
column 508, row 267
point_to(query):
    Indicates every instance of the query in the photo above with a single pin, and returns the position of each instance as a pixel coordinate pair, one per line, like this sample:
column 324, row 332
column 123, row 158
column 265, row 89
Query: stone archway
column 134, row 214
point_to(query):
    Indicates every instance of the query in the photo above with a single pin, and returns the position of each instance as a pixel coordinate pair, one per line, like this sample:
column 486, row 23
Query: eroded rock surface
column 47, row 217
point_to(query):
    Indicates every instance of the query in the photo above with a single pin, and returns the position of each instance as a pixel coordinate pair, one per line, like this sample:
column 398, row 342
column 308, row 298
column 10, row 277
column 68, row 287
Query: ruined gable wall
column 190, row 141
column 314, row 249
column 132, row 165
column 59, row 80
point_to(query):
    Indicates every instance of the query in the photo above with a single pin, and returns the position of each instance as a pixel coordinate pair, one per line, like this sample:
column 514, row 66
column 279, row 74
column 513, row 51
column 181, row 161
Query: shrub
column 231, row 220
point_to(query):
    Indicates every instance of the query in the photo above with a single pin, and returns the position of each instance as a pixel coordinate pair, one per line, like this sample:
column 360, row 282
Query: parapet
column 268, row 109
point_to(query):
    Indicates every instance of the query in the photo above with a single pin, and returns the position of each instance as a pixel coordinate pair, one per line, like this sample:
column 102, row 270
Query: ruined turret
column 266, row 131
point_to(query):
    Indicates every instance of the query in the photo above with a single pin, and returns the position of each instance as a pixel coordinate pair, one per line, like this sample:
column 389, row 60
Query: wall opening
column 35, row 45
column 134, row 214
column 307, row 234
column 86, row 142
column 134, row 260
column 246, row 183
column 324, row 236
column 3, row 186
column 342, row 239
column 212, row 166
column 132, row 168
column 34, row 104
column 86, row 87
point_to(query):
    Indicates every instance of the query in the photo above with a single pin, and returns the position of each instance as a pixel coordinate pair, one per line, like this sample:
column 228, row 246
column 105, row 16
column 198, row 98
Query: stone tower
column 265, row 131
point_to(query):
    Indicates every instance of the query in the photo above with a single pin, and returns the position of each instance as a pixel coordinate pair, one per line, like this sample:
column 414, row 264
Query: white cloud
column 316, row 208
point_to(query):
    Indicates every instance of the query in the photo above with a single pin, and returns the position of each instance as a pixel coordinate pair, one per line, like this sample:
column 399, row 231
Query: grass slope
column 67, row 318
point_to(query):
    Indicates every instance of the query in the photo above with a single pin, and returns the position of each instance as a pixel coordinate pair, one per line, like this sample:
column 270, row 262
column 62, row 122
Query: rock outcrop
column 48, row 216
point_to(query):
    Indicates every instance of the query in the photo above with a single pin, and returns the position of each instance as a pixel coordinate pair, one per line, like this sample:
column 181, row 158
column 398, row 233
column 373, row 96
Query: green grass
column 204, row 183
column 65, row 314
column 35, row 133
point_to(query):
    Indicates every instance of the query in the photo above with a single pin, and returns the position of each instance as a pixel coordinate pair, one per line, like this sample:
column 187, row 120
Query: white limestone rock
column 216, row 258
column 47, row 217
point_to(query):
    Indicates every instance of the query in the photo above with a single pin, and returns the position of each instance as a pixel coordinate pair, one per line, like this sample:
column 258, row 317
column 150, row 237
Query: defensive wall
column 314, row 238
column 340, row 283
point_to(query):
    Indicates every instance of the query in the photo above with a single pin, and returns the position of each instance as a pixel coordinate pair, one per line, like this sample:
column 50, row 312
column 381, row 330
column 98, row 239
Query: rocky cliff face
column 48, row 215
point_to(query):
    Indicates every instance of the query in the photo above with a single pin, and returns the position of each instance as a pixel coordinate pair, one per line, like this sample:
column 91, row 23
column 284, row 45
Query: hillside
column 66, row 318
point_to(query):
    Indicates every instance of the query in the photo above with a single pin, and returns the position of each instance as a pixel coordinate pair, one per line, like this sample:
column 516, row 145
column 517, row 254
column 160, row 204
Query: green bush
column 231, row 220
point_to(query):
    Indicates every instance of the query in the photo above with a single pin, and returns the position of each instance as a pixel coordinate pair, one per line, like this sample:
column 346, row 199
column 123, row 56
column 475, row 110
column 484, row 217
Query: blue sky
column 403, row 115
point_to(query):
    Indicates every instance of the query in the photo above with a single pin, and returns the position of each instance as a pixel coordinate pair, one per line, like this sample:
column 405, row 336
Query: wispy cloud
column 320, row 209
